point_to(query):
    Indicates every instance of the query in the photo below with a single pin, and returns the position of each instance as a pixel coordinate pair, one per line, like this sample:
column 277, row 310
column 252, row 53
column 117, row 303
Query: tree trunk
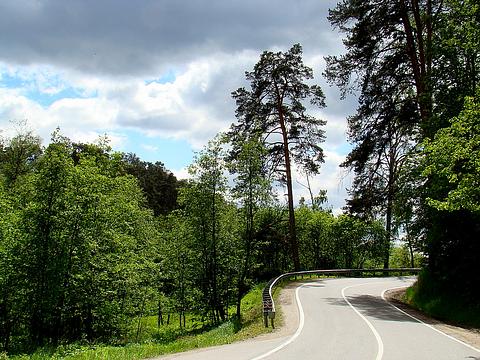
column 392, row 163
column 291, row 208
column 412, row 259
column 420, row 55
column 312, row 198
column 388, row 230
column 160, row 315
column 239, row 301
column 140, row 318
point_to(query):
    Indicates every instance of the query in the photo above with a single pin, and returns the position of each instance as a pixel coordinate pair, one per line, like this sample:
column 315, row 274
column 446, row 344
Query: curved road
column 348, row 319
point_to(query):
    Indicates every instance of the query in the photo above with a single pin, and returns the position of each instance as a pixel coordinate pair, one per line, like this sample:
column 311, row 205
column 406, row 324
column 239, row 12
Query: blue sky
column 175, row 153
column 156, row 76
column 30, row 88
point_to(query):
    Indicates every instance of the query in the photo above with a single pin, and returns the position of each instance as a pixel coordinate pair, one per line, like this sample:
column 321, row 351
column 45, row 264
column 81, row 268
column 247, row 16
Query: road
column 347, row 319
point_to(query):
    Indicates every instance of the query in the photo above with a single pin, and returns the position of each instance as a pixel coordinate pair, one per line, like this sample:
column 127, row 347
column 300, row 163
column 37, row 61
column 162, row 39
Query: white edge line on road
column 294, row 336
column 427, row 325
column 374, row 331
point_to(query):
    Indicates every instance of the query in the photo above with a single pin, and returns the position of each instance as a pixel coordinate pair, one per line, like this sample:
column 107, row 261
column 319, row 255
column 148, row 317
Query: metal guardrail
column 267, row 297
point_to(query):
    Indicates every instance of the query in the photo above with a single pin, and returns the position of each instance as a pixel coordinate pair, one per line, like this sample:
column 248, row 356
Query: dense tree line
column 82, row 255
column 415, row 65
column 74, row 238
column 159, row 185
column 91, row 239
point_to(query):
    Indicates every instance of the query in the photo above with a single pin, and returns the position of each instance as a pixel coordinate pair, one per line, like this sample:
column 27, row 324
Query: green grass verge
column 441, row 306
column 168, row 338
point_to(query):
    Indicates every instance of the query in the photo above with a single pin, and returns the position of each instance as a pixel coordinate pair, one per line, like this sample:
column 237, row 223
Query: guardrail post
column 265, row 318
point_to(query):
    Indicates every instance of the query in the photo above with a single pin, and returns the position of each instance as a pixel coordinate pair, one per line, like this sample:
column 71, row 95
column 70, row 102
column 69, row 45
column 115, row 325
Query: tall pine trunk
column 291, row 208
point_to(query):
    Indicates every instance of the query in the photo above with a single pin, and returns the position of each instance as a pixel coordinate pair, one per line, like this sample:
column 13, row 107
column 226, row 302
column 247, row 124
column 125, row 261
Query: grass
column 166, row 339
column 445, row 307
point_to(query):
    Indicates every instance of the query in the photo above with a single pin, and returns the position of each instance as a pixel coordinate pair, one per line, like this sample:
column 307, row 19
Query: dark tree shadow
column 373, row 306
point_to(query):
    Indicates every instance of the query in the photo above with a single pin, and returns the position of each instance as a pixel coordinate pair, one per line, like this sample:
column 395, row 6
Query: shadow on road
column 372, row 306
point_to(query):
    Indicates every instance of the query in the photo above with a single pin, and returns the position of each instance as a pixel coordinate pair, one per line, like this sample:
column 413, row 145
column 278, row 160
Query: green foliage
column 458, row 47
column 273, row 110
column 317, row 243
column 158, row 184
column 18, row 157
column 82, row 260
column 253, row 190
column 453, row 158
column 400, row 257
column 212, row 224
column 166, row 339
column 452, row 170
column 358, row 241
column 416, row 68
column 329, row 242
column 443, row 304
column 76, row 250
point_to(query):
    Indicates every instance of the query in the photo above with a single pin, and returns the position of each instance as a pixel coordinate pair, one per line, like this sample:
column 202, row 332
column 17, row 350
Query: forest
column 92, row 239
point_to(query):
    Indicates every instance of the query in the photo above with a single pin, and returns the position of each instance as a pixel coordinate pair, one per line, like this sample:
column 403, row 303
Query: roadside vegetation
column 154, row 340
column 424, row 296
column 102, row 253
column 85, row 261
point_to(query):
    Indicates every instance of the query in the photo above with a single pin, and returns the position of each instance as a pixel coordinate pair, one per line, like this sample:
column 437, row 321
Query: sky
column 156, row 76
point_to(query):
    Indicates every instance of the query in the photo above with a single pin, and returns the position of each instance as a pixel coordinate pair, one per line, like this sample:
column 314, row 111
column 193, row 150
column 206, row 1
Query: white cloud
column 207, row 46
column 149, row 147
column 331, row 178
column 181, row 174
column 194, row 106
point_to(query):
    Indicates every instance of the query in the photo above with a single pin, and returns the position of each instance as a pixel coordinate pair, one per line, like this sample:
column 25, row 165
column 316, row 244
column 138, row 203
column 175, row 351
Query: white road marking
column 427, row 325
column 294, row 336
column 372, row 328
column 374, row 331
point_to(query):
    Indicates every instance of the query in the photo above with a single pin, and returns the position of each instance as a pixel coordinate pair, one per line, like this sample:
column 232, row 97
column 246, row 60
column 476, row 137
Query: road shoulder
column 469, row 336
column 287, row 303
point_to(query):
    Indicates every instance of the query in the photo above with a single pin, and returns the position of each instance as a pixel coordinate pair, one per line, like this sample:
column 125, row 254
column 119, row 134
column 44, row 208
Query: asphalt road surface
column 348, row 319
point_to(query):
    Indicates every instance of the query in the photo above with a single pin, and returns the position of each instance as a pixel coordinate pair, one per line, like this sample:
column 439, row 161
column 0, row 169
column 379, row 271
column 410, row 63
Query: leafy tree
column 274, row 109
column 317, row 243
column 203, row 202
column 253, row 190
column 18, row 156
column 272, row 237
column 402, row 257
column 159, row 185
column 452, row 161
column 179, row 266
column 357, row 241
column 389, row 48
column 420, row 56
column 80, row 256
column 456, row 47
column 389, row 60
column 377, row 169
column 453, row 156
column 12, row 271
